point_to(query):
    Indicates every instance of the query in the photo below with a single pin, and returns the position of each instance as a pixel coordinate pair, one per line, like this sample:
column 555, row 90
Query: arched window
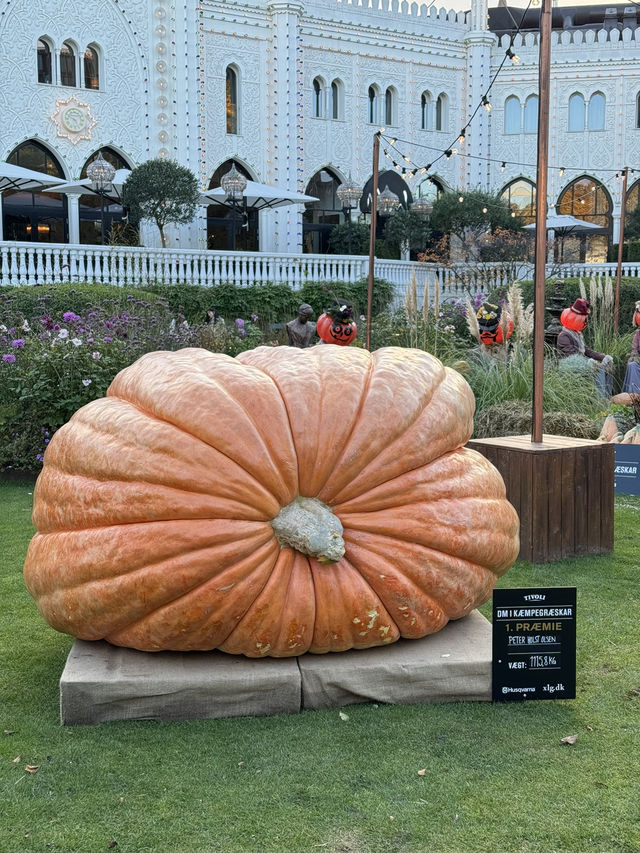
column 531, row 114
column 44, row 62
column 89, row 205
column 512, row 115
column 595, row 116
column 638, row 110
column 441, row 112
column 231, row 99
column 223, row 223
column 430, row 188
column 576, row 112
column 426, row 111
column 91, row 68
column 394, row 182
column 35, row 216
column 373, row 105
column 67, row 65
column 390, row 107
column 320, row 217
column 633, row 197
column 318, row 92
column 586, row 199
column 336, row 104
column 520, row 197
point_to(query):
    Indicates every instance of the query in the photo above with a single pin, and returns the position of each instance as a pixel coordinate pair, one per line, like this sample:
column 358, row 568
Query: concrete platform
column 101, row 682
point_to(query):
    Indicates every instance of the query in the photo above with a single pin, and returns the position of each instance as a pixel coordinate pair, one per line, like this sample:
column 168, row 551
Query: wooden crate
column 562, row 490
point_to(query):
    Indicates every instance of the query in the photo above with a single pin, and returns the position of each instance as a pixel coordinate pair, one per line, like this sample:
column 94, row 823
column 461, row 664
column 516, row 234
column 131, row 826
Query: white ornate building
column 292, row 91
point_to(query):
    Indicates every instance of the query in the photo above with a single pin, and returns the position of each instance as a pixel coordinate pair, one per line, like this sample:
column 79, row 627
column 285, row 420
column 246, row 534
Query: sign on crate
column 627, row 469
column 534, row 644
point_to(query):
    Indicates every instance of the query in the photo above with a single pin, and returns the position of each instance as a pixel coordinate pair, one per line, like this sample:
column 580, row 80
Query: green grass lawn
column 498, row 779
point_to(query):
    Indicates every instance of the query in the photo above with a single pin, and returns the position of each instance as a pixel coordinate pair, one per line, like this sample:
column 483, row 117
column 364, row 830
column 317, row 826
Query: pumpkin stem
column 310, row 526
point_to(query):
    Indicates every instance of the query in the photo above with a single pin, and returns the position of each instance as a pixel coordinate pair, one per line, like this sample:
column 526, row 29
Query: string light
column 561, row 172
column 515, row 59
column 460, row 198
column 461, row 136
column 485, row 103
column 503, row 166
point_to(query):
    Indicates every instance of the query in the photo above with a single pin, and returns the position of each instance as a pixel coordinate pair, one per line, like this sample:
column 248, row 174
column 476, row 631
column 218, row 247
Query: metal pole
column 544, row 74
column 347, row 214
column 616, row 305
column 372, row 233
column 233, row 225
column 101, row 217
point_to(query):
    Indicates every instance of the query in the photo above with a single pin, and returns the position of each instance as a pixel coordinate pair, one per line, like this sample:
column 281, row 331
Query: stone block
column 450, row 666
column 101, row 682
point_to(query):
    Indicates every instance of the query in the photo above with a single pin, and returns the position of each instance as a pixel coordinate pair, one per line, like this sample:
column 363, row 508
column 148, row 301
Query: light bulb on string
column 503, row 166
column 460, row 198
column 561, row 172
column 515, row 59
column 486, row 104
column 462, row 135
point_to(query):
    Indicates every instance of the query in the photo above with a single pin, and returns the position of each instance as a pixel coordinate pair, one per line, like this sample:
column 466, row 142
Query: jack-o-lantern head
column 577, row 316
column 491, row 330
column 336, row 325
column 636, row 314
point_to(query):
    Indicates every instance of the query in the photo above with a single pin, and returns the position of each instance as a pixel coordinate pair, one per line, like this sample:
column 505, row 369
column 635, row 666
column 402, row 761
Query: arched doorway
column 391, row 180
column 586, row 199
column 36, row 217
column 89, row 205
column 520, row 198
column 431, row 188
column 320, row 217
column 221, row 220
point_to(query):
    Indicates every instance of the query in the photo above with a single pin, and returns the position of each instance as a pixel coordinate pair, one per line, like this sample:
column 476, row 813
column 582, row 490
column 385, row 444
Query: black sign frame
column 534, row 644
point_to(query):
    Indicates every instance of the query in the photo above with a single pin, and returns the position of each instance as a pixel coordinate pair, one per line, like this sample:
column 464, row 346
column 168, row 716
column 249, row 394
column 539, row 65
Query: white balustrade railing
column 49, row 263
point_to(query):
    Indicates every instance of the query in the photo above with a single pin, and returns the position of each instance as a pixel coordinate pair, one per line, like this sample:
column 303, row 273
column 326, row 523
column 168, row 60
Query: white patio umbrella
column 85, row 186
column 257, row 197
column 16, row 178
column 562, row 225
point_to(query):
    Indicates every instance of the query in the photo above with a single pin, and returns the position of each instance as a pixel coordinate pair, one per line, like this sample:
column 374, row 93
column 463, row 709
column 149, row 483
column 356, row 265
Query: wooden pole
column 616, row 306
column 544, row 74
column 372, row 234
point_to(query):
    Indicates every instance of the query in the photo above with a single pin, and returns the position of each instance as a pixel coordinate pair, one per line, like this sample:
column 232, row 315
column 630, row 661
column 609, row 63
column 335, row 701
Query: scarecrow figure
column 631, row 383
column 575, row 355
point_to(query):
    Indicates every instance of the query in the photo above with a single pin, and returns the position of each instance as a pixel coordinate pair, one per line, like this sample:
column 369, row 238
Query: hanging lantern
column 388, row 202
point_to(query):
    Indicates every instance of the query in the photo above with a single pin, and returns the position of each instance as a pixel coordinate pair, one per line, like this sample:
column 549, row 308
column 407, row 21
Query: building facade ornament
column 73, row 120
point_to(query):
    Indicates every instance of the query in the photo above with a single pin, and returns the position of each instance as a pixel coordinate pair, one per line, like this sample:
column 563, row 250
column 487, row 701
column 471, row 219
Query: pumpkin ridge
column 198, row 587
column 330, row 499
column 154, row 416
column 198, row 370
column 354, row 424
column 65, row 469
column 168, row 516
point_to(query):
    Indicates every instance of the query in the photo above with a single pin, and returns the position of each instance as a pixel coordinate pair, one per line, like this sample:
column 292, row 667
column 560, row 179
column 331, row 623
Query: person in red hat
column 631, row 383
column 571, row 345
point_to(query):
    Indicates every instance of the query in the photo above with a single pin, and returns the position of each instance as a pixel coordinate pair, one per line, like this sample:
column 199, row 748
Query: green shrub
column 52, row 363
column 27, row 300
column 271, row 303
column 513, row 417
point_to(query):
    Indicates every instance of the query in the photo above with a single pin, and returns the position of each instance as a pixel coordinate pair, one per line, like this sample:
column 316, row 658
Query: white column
column 479, row 42
column 286, row 83
column 73, row 216
column 1, row 220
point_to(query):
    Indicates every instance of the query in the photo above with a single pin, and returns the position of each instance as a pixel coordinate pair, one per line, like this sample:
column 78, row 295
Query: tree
column 406, row 228
column 163, row 191
column 469, row 216
column 349, row 239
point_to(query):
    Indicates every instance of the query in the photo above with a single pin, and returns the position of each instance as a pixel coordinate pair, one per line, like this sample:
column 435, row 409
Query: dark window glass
column 44, row 62
column 67, row 65
column 372, row 105
column 232, row 101
column 335, row 98
column 35, row 216
column 388, row 107
column 91, row 72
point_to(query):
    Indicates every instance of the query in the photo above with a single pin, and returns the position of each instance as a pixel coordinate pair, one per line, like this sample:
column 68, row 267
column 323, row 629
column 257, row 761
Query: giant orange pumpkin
column 280, row 502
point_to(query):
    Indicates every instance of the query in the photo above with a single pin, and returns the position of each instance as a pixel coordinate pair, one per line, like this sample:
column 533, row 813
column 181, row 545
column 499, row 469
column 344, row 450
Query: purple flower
column 86, row 382
column 9, row 358
column 39, row 457
column 107, row 339
column 18, row 343
column 108, row 324
column 70, row 317
column 254, row 318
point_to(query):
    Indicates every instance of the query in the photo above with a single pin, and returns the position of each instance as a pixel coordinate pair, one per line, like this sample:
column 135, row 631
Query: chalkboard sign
column 627, row 469
column 534, row 644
